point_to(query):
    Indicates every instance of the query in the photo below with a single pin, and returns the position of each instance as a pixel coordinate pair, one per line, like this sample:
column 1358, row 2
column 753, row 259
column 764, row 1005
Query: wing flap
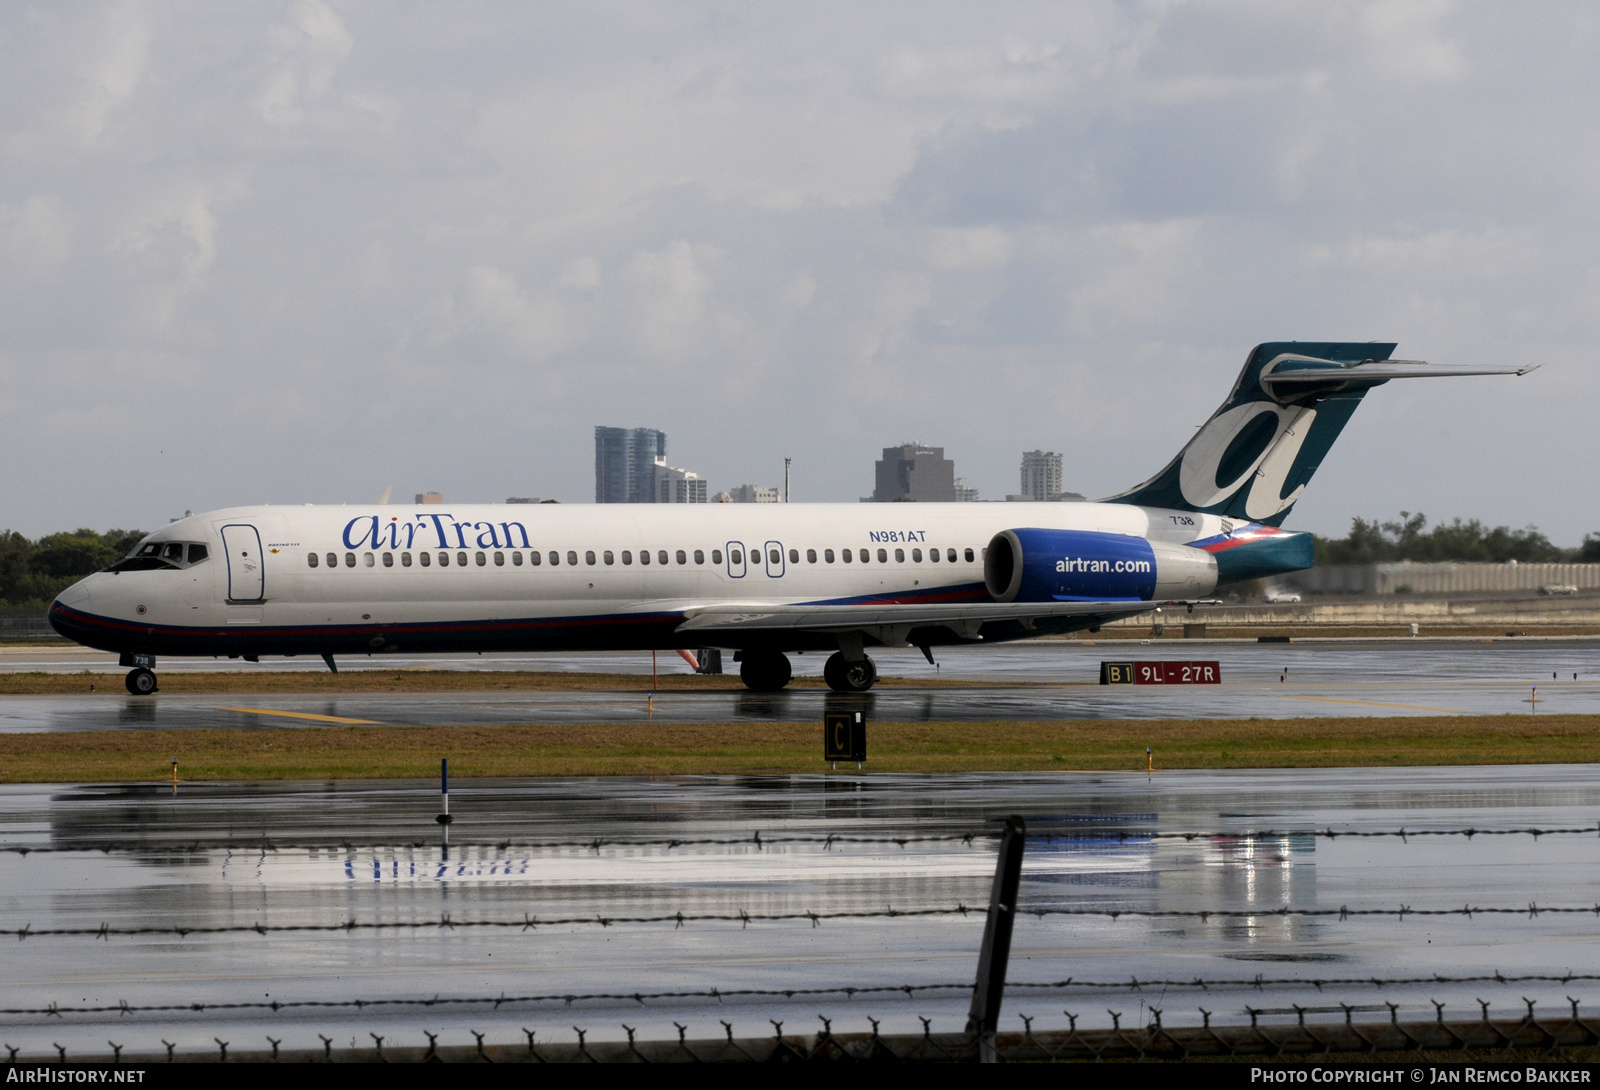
column 747, row 616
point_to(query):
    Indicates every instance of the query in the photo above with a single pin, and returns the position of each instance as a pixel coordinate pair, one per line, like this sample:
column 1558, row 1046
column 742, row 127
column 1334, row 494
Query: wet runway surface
column 314, row 866
column 1053, row 680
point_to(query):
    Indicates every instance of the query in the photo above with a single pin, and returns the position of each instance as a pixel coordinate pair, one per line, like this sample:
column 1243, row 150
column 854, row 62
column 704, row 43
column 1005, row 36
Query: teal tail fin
column 1254, row 457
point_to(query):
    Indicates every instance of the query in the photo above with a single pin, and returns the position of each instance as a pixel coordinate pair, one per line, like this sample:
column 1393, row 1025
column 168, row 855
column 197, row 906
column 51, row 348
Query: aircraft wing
column 746, row 616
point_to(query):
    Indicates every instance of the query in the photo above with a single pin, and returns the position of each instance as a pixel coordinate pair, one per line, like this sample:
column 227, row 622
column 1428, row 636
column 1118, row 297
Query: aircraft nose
column 75, row 595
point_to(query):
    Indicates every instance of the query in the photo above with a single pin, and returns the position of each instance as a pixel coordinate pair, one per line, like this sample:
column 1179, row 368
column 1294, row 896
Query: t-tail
column 1253, row 459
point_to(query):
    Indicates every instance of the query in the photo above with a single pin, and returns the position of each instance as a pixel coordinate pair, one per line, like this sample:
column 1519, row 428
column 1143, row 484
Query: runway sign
column 1160, row 673
column 844, row 736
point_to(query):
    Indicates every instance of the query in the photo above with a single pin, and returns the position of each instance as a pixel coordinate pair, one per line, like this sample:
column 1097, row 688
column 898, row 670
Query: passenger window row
column 661, row 557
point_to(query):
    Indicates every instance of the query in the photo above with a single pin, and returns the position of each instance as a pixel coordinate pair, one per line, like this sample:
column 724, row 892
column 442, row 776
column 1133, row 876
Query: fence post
column 984, row 1017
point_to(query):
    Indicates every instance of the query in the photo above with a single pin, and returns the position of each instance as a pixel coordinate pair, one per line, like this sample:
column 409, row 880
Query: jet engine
column 1035, row 565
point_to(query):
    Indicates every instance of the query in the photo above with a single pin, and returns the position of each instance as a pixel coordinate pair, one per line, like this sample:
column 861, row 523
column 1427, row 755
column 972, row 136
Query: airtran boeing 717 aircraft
column 761, row 580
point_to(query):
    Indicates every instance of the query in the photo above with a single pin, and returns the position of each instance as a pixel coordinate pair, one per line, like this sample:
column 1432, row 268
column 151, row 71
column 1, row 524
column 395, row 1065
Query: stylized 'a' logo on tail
column 1252, row 459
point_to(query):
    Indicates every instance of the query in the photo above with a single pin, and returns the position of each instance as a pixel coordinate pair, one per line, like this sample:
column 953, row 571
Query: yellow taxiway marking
column 1373, row 704
column 307, row 715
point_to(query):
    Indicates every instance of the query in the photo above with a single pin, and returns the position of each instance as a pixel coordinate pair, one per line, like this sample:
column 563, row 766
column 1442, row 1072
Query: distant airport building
column 674, row 485
column 754, row 493
column 913, row 471
column 625, row 463
column 430, row 497
column 522, row 499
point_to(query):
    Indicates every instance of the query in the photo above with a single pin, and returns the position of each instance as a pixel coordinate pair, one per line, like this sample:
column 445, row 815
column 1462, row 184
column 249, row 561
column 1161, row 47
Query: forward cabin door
column 242, row 546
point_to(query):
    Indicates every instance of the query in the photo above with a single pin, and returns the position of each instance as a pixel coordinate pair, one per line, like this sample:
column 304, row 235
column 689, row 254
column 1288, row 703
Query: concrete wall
column 1446, row 578
column 1427, row 613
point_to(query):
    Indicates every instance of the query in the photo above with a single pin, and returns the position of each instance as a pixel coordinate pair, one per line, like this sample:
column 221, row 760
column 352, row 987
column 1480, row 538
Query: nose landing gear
column 140, row 681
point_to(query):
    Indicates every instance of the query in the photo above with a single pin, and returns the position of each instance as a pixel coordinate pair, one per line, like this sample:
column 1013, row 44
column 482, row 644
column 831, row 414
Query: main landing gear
column 846, row 676
column 764, row 671
column 140, row 681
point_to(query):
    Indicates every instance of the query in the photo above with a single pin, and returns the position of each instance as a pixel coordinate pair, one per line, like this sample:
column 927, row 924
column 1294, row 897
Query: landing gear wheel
column 844, row 676
column 140, row 682
column 764, row 671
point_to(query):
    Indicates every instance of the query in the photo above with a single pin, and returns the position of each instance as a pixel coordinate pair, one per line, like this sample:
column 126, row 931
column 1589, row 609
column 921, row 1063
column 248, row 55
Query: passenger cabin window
column 405, row 560
column 349, row 560
column 533, row 558
column 699, row 556
column 794, row 556
column 311, row 559
column 899, row 556
column 845, row 555
column 933, row 555
column 969, row 556
column 827, row 554
column 716, row 556
column 916, row 554
column 682, row 557
column 774, row 556
column 661, row 556
column 499, row 560
column 461, row 559
column 627, row 557
column 950, row 555
column 444, row 560
column 588, row 556
column 483, row 561
column 516, row 559
column 608, row 557
column 883, row 555
column 735, row 557
column 426, row 558
column 333, row 560
column 644, row 556
column 368, row 559
column 388, row 560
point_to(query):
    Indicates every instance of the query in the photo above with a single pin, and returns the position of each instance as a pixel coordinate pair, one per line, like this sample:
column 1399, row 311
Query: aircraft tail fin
column 1253, row 458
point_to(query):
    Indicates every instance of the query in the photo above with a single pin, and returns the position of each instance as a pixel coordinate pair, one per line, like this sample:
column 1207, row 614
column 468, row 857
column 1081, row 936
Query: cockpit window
column 161, row 556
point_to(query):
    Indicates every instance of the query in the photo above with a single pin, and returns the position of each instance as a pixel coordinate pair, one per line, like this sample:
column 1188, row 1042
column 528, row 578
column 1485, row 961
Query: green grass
column 653, row 749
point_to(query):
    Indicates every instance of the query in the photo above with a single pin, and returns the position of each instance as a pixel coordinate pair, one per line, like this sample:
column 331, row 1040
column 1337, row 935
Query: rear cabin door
column 242, row 546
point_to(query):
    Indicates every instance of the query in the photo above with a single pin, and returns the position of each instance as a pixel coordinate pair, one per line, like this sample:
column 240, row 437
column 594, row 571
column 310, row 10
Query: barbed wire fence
column 1326, row 1030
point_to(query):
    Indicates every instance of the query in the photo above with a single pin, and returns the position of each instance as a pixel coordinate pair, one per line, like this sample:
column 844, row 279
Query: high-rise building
column 965, row 493
column 912, row 471
column 1041, row 475
column 625, row 463
column 754, row 493
column 674, row 485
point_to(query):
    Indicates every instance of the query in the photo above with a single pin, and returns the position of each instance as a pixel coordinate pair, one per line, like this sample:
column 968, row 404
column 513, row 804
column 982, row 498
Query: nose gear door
column 242, row 546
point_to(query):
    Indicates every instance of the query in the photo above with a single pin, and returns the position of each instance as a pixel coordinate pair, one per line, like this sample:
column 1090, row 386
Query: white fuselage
column 548, row 576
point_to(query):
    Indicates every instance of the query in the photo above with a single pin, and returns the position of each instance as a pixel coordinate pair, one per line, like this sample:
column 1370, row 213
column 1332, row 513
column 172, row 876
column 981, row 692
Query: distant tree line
column 34, row 572
column 1409, row 538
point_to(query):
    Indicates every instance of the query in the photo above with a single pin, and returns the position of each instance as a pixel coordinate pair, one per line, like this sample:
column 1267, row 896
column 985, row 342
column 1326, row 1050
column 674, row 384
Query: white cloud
column 310, row 228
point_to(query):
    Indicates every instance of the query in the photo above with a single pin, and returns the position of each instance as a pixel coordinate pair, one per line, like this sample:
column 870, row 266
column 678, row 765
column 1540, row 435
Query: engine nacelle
column 1034, row 565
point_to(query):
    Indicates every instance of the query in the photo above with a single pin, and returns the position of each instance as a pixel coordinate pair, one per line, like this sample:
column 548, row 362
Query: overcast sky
column 303, row 252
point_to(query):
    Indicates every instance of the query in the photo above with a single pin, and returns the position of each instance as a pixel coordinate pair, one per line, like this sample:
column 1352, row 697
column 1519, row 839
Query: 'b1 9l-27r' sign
column 1160, row 673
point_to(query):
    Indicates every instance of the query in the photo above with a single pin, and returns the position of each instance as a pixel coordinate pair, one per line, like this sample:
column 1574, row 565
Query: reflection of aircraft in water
column 763, row 580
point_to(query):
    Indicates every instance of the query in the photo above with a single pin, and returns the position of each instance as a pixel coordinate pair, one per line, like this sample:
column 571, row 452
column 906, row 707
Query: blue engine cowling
column 1037, row 565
